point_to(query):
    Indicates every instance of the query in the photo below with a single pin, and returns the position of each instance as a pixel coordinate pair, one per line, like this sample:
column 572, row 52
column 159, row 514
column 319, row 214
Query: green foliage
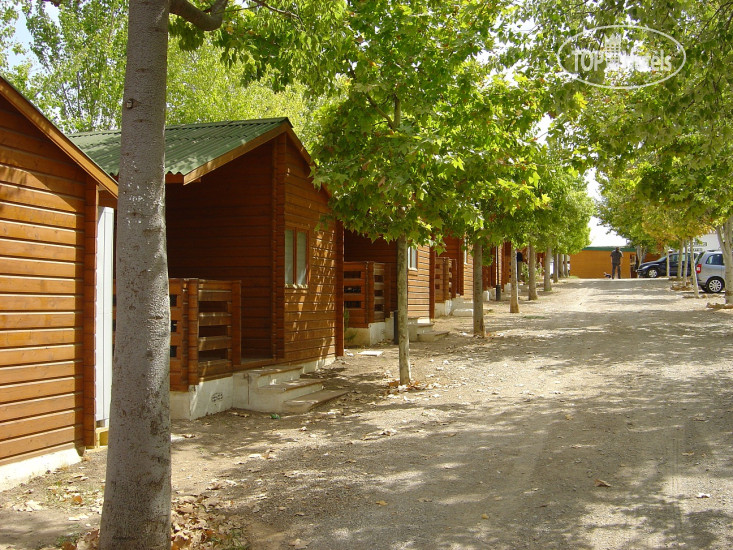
column 9, row 13
column 80, row 53
column 202, row 89
column 77, row 70
column 282, row 40
column 417, row 134
column 663, row 151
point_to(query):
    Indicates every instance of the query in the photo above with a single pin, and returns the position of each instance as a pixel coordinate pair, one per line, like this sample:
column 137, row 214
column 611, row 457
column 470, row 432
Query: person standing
column 616, row 256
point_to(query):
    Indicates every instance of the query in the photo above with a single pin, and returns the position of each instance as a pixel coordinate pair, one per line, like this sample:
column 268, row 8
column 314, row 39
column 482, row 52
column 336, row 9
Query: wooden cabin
column 369, row 304
column 494, row 272
column 257, row 265
column 55, row 293
column 458, row 277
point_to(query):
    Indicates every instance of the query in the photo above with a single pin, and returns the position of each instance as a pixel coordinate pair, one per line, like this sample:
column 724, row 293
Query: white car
column 711, row 271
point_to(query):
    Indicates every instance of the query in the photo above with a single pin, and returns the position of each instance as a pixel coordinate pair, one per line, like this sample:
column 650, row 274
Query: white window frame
column 412, row 258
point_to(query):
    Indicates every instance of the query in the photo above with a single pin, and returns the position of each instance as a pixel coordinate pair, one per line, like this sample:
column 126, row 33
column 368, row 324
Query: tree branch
column 375, row 105
column 286, row 13
column 381, row 112
column 208, row 20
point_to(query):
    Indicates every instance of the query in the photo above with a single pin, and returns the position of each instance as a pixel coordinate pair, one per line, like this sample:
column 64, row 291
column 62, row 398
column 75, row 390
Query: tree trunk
column 565, row 268
column 402, row 329
column 684, row 261
column 137, row 496
column 725, row 237
column 556, row 268
column 514, row 300
column 532, row 273
column 693, row 271
column 680, row 253
column 547, row 274
column 478, row 291
column 669, row 274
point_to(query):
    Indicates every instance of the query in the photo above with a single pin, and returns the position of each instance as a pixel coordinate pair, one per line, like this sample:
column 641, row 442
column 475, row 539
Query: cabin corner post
column 236, row 327
column 278, row 264
column 431, row 285
column 339, row 313
column 88, row 435
column 194, row 372
column 369, row 292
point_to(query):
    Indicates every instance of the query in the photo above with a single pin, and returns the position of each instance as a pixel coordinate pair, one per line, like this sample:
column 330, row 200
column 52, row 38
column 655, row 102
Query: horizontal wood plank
column 32, row 373
column 39, row 424
column 42, row 405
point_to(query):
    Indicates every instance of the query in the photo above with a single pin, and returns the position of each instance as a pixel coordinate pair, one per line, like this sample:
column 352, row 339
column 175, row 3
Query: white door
column 103, row 325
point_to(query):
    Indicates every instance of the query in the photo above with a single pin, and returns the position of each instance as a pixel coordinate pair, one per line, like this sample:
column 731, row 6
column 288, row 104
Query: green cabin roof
column 187, row 146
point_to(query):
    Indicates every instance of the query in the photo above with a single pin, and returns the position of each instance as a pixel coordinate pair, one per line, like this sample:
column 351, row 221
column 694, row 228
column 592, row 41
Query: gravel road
column 600, row 417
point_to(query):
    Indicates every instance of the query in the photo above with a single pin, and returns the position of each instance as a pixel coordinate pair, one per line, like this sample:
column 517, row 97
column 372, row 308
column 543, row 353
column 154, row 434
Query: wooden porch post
column 86, row 438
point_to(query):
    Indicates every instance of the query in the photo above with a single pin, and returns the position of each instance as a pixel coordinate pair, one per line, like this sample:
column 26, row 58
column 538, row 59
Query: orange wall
column 593, row 263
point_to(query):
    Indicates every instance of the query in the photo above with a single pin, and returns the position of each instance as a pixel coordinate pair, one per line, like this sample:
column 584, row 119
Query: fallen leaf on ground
column 484, row 516
column 703, row 495
column 298, row 544
column 381, row 503
column 425, row 500
column 601, row 483
column 28, row 506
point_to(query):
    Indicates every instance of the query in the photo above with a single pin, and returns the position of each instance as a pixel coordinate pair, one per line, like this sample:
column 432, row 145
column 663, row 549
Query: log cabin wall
column 47, row 239
column 221, row 228
column 312, row 317
column 493, row 271
column 453, row 251
column 467, row 260
column 420, row 299
column 419, row 280
column 358, row 248
column 463, row 278
column 506, row 264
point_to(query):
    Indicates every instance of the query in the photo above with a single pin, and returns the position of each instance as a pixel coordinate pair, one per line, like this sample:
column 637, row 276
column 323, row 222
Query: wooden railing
column 206, row 333
column 366, row 292
column 443, row 279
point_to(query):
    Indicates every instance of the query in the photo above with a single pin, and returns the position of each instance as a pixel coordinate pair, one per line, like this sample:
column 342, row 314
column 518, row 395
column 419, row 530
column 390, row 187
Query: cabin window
column 411, row 257
column 296, row 258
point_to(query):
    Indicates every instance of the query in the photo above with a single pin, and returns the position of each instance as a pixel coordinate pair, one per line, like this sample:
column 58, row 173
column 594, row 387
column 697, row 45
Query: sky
column 600, row 235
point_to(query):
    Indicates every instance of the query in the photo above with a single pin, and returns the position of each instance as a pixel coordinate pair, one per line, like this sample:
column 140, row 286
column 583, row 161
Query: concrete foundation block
column 15, row 473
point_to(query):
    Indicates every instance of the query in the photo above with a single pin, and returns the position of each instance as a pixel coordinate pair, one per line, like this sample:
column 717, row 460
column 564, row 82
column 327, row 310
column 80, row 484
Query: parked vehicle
column 658, row 268
column 711, row 271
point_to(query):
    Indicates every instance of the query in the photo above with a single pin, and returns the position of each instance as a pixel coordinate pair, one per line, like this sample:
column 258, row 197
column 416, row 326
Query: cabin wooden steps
column 307, row 402
column 282, row 390
column 421, row 330
column 432, row 335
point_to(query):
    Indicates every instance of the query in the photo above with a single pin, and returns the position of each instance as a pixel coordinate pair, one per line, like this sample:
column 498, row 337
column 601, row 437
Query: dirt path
column 619, row 383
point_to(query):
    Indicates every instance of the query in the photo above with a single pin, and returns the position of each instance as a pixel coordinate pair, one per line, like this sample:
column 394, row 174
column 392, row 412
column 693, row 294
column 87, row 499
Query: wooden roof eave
column 210, row 166
column 196, row 174
column 107, row 185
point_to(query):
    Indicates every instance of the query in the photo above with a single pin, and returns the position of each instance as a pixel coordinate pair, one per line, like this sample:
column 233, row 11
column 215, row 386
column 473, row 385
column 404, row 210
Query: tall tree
column 136, row 512
column 682, row 124
column 381, row 149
